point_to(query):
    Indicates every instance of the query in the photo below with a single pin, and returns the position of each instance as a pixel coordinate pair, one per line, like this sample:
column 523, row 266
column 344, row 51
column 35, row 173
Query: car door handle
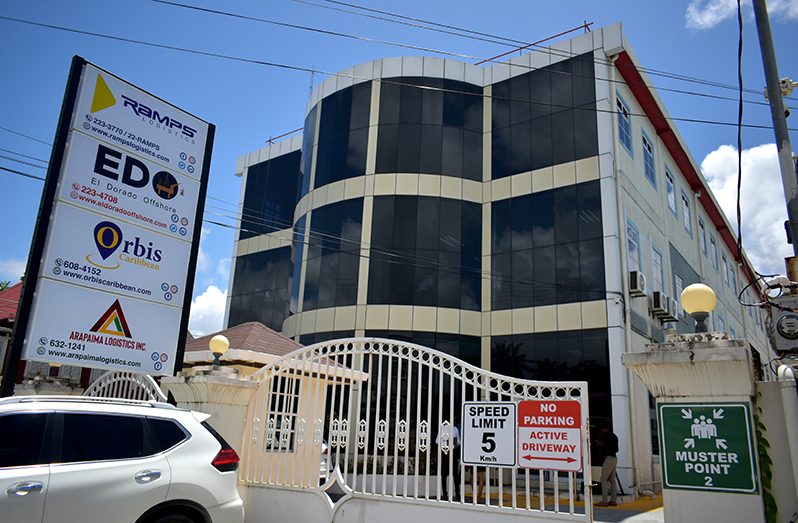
column 24, row 488
column 147, row 476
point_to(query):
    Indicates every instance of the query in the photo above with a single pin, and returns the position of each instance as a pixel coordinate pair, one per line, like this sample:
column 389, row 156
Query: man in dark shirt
column 608, row 442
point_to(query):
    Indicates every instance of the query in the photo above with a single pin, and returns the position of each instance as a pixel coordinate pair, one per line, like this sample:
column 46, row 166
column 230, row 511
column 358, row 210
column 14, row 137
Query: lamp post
column 698, row 300
column 218, row 345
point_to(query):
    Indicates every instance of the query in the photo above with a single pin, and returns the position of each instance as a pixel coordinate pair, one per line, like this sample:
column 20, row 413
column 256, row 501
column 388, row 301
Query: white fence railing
column 375, row 416
column 126, row 385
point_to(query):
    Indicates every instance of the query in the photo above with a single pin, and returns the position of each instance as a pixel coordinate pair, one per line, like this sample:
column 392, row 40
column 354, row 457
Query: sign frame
column 467, row 430
column 33, row 272
column 750, row 437
column 570, row 435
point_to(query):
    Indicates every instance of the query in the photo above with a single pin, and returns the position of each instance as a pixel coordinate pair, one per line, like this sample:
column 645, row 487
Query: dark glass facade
column 544, row 117
column 425, row 251
column 270, row 195
column 261, row 288
column 343, row 134
column 547, row 248
column 333, row 258
column 433, row 131
column 318, row 337
column 581, row 355
column 308, row 133
column 466, row 348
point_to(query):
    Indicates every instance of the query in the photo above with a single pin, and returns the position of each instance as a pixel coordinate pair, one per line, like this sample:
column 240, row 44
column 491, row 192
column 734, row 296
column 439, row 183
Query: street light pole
column 788, row 175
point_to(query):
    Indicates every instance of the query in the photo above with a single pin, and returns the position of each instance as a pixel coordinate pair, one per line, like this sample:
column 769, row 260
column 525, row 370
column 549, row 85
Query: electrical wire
column 356, row 77
column 393, row 257
column 31, row 164
column 6, row 129
column 556, row 52
column 431, row 50
column 25, row 155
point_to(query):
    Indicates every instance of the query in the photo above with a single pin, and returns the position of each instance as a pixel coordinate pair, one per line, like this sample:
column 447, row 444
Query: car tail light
column 226, row 460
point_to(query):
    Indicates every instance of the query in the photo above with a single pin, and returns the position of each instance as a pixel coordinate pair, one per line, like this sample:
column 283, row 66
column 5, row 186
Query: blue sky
column 248, row 102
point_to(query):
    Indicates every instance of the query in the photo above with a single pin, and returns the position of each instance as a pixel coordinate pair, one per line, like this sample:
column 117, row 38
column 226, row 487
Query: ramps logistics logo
column 103, row 98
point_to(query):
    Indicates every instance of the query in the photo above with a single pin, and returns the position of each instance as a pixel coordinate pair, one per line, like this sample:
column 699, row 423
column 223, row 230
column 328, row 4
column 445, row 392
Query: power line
column 25, row 155
column 20, row 173
column 392, row 257
column 439, row 51
column 560, row 52
column 353, row 76
column 31, row 164
column 22, row 134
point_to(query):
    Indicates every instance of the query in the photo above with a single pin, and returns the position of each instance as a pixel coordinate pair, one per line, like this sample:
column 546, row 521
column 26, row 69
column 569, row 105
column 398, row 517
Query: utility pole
column 788, row 175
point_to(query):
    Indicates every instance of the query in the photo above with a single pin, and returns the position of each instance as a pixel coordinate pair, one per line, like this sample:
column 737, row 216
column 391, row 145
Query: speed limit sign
column 489, row 433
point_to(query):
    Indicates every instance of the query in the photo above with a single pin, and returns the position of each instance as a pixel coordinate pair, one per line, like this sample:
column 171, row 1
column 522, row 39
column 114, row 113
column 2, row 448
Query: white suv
column 77, row 459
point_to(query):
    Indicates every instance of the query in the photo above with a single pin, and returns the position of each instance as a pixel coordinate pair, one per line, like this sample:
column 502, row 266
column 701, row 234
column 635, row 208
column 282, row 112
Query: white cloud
column 203, row 261
column 12, row 269
column 762, row 201
column 706, row 14
column 223, row 269
column 207, row 311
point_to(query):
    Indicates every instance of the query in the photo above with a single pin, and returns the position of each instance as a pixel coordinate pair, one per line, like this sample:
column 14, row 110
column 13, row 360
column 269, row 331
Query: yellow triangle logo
column 103, row 97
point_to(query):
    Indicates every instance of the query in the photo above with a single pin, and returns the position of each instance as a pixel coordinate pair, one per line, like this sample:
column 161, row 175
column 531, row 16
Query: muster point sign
column 549, row 435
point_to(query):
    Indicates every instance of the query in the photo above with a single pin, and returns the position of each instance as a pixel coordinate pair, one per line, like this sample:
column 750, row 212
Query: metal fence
column 376, row 417
column 126, row 385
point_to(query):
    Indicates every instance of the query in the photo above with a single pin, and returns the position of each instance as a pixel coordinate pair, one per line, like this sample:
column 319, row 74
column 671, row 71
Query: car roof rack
column 85, row 399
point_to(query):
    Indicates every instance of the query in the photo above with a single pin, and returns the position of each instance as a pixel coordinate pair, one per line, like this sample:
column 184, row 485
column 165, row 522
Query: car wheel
column 173, row 518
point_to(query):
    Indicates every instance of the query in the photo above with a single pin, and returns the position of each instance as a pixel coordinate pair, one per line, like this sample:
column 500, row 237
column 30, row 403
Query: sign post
column 488, row 433
column 707, row 446
column 111, row 267
column 550, row 435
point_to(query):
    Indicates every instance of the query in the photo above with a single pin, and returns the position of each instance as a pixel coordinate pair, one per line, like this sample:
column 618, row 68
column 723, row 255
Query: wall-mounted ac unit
column 672, row 312
column 637, row 284
column 660, row 304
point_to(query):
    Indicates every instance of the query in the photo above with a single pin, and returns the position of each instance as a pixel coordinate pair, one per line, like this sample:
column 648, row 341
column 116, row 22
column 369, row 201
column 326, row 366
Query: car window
column 95, row 437
column 167, row 432
column 21, row 436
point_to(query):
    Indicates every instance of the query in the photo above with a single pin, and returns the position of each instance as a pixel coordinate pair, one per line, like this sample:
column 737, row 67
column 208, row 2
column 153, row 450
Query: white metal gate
column 126, row 385
column 370, row 419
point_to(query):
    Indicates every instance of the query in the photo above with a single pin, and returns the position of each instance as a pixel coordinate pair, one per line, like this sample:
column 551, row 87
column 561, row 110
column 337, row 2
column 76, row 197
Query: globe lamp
column 218, row 345
column 698, row 300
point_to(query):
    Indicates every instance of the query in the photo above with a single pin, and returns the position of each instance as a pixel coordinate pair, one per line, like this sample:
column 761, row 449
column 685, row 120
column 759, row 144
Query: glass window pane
column 95, row 437
column 21, row 437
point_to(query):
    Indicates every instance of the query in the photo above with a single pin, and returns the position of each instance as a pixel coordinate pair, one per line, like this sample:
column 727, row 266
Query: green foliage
column 765, row 465
column 4, row 285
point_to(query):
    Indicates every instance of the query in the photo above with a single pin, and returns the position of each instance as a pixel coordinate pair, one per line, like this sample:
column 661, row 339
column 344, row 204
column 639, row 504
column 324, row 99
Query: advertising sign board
column 488, row 433
column 549, row 435
column 707, row 446
column 111, row 268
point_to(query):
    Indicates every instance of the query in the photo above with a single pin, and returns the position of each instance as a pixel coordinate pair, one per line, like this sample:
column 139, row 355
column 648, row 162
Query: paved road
column 606, row 515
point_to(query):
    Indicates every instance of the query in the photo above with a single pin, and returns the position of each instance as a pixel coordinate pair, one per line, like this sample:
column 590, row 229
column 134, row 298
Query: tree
column 4, row 285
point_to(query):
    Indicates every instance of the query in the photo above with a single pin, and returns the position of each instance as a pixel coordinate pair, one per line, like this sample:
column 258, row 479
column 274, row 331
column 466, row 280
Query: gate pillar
column 225, row 396
column 704, row 385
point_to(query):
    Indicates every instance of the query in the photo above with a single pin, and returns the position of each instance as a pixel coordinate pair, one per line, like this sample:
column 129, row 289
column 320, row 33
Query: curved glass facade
column 343, row 134
column 432, row 131
column 425, row 251
column 333, row 257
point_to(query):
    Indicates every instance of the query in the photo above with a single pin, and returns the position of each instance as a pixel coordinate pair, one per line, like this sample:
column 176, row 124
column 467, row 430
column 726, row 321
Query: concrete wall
column 773, row 417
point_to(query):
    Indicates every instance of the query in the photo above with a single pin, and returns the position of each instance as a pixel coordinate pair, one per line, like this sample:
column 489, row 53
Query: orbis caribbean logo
column 108, row 238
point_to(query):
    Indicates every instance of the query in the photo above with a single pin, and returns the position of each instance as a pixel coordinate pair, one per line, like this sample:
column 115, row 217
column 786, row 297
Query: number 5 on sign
column 488, row 433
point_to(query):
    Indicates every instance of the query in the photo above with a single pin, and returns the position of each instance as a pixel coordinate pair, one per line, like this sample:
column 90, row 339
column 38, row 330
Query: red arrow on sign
column 567, row 460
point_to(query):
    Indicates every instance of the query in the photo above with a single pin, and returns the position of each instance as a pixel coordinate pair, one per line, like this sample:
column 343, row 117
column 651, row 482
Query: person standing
column 450, row 461
column 608, row 443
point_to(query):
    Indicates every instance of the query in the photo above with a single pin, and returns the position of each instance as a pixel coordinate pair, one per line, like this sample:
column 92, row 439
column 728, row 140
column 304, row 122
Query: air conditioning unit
column 672, row 313
column 637, row 284
column 660, row 304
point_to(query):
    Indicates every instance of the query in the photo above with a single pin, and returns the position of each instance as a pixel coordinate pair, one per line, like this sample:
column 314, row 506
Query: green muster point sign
column 707, row 446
